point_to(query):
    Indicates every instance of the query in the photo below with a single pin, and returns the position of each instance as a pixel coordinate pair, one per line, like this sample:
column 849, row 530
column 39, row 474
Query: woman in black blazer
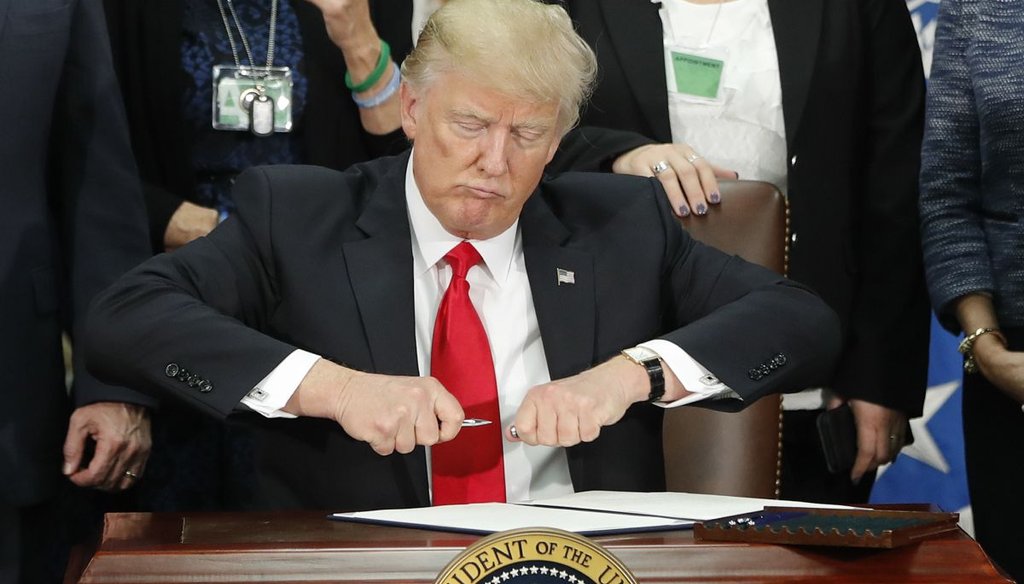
column 852, row 94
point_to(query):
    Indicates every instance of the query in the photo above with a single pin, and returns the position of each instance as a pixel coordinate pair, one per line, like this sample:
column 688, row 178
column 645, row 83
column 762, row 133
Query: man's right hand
column 389, row 412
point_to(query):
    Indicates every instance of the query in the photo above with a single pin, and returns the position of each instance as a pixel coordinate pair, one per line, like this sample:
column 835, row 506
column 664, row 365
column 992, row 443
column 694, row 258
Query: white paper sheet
column 692, row 506
column 587, row 513
column 493, row 517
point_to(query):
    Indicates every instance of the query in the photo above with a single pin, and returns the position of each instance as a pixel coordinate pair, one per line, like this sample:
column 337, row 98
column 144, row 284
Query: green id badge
column 256, row 99
column 697, row 76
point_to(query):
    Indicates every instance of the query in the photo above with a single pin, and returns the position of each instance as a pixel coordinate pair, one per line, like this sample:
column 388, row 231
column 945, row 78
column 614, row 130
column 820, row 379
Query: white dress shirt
column 500, row 291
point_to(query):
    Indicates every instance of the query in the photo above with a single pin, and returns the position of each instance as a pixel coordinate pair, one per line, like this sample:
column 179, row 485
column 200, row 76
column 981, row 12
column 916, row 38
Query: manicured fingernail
column 715, row 198
column 68, row 468
column 702, row 209
column 684, row 210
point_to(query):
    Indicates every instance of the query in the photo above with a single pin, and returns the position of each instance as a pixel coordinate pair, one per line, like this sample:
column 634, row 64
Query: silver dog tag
column 261, row 116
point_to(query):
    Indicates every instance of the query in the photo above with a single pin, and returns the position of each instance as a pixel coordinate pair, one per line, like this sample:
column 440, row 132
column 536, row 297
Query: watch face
column 641, row 354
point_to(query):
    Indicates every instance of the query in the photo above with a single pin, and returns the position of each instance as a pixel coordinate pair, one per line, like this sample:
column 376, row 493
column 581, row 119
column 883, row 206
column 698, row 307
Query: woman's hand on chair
column 690, row 181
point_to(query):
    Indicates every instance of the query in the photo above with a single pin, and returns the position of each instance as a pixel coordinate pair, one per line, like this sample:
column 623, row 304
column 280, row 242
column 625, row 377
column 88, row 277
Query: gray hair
column 518, row 47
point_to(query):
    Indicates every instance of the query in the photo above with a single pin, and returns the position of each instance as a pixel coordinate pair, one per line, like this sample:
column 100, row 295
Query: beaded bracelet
column 375, row 75
column 383, row 95
column 966, row 347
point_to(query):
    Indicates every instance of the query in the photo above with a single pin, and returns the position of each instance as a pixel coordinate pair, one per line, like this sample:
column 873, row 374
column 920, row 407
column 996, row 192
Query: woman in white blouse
column 823, row 98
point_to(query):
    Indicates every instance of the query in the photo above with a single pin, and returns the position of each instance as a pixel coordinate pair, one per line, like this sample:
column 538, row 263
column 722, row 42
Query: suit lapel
column 797, row 28
column 634, row 29
column 565, row 311
column 380, row 271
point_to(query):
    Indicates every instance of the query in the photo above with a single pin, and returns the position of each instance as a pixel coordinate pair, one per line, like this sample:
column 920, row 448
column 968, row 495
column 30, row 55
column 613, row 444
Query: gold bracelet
column 966, row 347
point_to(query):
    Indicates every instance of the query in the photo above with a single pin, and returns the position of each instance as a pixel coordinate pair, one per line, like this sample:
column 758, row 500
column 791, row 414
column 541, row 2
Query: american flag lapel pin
column 565, row 276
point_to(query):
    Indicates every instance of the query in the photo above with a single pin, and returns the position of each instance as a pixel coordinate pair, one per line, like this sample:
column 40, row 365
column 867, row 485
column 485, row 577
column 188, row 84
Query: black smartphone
column 838, row 433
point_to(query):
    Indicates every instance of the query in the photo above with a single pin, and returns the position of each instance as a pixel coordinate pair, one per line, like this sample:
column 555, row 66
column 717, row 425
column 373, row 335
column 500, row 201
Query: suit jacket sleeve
column 956, row 249
column 188, row 325
column 886, row 355
column 103, row 222
column 594, row 149
column 756, row 331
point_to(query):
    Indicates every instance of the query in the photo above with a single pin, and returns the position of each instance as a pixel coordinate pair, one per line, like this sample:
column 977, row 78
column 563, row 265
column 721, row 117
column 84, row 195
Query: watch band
column 650, row 361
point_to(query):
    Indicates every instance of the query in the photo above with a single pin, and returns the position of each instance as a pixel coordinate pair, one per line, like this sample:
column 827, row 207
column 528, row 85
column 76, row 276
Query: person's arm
column 890, row 318
column 350, row 28
column 189, row 326
column 389, row 412
column 956, row 255
column 993, row 359
column 104, row 226
column 690, row 181
column 754, row 330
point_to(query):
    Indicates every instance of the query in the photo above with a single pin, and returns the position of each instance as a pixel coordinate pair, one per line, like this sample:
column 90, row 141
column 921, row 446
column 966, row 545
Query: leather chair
column 737, row 453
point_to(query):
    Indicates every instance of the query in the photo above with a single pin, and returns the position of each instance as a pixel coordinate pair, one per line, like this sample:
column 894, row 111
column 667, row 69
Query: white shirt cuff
column 273, row 392
column 701, row 383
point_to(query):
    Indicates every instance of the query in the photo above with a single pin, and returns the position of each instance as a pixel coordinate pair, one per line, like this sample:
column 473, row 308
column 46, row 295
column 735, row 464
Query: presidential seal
column 535, row 556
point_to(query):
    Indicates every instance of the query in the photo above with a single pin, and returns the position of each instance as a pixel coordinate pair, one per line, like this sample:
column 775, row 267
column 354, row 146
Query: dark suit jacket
column 331, row 272
column 852, row 99
column 146, row 37
column 72, row 222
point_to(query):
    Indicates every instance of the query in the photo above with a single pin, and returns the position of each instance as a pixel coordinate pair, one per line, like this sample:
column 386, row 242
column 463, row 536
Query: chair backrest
column 737, row 453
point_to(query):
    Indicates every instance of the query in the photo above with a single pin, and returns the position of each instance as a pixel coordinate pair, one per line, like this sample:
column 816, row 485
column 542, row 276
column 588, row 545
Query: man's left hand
column 122, row 438
column 881, row 433
column 573, row 410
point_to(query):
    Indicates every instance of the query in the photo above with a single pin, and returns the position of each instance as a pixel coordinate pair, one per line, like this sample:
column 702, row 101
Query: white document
column 493, row 517
column 691, row 506
column 586, row 513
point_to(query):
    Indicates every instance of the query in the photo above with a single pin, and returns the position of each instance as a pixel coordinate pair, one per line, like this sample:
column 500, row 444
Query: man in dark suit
column 317, row 300
column 73, row 221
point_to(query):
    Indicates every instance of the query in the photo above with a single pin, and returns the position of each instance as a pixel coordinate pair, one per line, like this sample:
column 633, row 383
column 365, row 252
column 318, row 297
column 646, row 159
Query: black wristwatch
column 650, row 361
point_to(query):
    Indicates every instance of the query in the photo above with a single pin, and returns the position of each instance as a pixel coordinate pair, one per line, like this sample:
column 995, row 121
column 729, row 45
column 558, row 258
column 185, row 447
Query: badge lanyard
column 253, row 98
column 695, row 72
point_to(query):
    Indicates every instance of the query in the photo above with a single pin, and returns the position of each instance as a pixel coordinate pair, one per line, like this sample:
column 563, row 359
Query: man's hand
column 881, row 433
column 690, row 182
column 122, row 437
column 189, row 221
column 390, row 412
column 573, row 410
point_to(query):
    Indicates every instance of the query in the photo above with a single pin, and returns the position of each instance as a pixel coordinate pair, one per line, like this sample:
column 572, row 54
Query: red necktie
column 470, row 468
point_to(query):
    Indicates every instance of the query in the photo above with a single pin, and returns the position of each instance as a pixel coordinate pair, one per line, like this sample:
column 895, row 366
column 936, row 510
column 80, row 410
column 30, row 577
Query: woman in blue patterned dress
column 972, row 216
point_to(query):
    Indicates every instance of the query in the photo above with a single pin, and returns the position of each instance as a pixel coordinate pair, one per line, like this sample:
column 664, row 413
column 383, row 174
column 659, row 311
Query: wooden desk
column 306, row 547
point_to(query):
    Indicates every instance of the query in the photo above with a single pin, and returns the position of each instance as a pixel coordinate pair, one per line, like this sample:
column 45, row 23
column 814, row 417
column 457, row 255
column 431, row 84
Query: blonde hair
column 517, row 47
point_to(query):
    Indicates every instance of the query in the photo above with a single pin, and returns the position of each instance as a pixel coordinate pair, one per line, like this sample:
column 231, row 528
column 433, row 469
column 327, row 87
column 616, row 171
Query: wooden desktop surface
column 306, row 547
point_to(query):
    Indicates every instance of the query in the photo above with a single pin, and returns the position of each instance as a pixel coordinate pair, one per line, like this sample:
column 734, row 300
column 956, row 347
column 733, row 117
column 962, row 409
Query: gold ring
column 131, row 475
